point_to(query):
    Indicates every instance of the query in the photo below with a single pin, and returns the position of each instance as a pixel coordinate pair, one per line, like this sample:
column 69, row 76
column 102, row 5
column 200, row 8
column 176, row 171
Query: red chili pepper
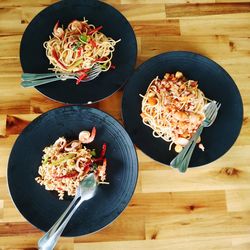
column 94, row 30
column 69, row 175
column 81, row 77
column 112, row 66
column 104, row 148
column 56, row 26
column 79, row 52
column 103, row 152
column 93, row 43
column 101, row 59
column 83, row 71
column 54, row 54
column 86, row 169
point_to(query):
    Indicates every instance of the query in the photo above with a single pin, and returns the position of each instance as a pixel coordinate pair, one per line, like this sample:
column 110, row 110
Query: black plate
column 42, row 208
column 115, row 25
column 216, row 84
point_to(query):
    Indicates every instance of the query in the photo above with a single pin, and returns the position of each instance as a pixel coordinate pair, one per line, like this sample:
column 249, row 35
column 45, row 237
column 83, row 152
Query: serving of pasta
column 174, row 108
column 78, row 48
column 66, row 163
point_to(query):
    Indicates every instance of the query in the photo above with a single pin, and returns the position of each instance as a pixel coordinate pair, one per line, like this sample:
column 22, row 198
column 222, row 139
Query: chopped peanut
column 178, row 148
column 178, row 74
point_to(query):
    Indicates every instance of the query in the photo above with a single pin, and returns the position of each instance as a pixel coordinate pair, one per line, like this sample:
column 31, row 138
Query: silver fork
column 33, row 80
column 85, row 191
column 181, row 161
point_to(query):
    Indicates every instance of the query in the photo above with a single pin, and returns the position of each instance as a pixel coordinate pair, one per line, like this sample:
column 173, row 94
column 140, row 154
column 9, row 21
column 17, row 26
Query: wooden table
column 206, row 208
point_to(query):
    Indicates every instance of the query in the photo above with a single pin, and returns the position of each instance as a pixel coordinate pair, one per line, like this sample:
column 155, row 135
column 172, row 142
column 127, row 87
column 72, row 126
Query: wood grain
column 207, row 207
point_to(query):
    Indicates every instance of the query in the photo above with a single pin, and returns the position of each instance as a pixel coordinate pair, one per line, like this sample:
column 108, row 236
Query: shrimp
column 180, row 115
column 82, row 165
column 58, row 32
column 72, row 146
column 85, row 136
column 195, row 118
column 75, row 25
column 60, row 143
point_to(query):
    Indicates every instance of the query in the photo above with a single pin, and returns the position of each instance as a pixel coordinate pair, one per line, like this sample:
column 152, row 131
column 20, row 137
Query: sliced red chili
column 81, row 77
column 101, row 59
column 54, row 54
column 82, row 71
column 79, row 51
column 103, row 152
column 112, row 66
column 93, row 43
column 94, row 30
column 104, row 148
column 56, row 26
column 87, row 169
column 69, row 175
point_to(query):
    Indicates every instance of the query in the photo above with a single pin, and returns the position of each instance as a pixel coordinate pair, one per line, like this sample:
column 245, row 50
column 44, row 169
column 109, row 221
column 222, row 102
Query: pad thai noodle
column 66, row 163
column 78, row 48
column 174, row 108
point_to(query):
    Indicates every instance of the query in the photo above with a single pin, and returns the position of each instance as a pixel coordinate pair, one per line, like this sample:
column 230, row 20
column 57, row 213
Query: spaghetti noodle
column 66, row 163
column 174, row 109
column 78, row 48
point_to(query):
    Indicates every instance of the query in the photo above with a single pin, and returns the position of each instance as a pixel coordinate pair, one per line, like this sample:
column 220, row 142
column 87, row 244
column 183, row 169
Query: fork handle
column 34, row 83
column 49, row 240
column 181, row 161
column 33, row 76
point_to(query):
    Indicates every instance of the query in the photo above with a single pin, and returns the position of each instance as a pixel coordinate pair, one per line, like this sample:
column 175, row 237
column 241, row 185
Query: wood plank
column 10, row 67
column 210, row 46
column 222, row 244
column 18, row 3
column 7, row 229
column 122, row 229
column 150, row 11
column 232, row 1
column 239, row 43
column 206, row 178
column 192, row 10
column 29, row 242
column 6, row 145
column 10, row 21
column 238, row 200
column 9, row 46
column 242, row 243
column 158, row 28
column 40, row 104
column 16, row 123
column 165, row 1
column 216, row 26
column 114, row 109
column 2, row 125
column 169, row 203
column 197, row 226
